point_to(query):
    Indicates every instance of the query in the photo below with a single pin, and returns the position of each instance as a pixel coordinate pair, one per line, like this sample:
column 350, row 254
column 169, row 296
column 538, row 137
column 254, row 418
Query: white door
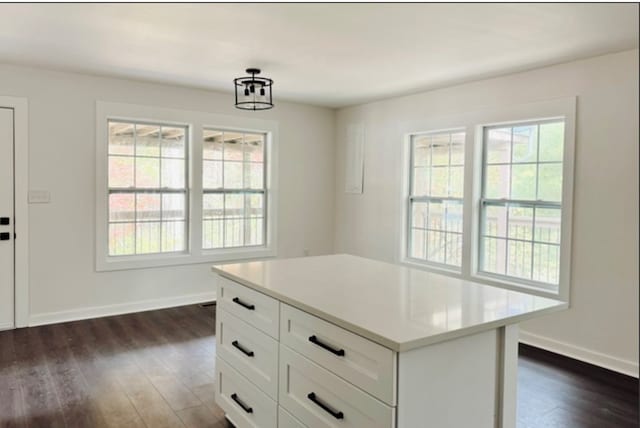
column 6, row 220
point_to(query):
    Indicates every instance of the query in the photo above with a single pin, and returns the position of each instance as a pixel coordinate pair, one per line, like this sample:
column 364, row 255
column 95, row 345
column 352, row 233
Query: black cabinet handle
column 336, row 414
column 316, row 341
column 246, row 408
column 5, row 236
column 242, row 349
column 243, row 304
column 4, row 221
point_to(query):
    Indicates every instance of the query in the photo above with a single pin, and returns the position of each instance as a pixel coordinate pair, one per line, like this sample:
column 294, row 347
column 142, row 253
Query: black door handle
column 335, row 413
column 243, row 304
column 4, row 221
column 242, row 349
column 316, row 341
column 246, row 408
column 5, row 236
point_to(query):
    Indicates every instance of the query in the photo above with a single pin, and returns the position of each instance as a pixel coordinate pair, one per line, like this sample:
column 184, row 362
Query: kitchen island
column 344, row 341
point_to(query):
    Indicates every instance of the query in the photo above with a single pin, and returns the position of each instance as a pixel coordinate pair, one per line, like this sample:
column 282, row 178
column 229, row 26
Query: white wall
column 602, row 324
column 63, row 281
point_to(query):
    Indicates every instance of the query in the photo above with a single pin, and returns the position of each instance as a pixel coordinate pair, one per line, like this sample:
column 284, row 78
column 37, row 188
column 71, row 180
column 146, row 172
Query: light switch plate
column 39, row 197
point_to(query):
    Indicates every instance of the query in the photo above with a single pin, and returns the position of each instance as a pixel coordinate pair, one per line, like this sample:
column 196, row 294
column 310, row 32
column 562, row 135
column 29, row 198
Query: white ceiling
column 326, row 54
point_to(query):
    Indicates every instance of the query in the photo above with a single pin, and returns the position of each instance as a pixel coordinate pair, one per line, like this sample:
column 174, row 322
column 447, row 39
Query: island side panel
column 508, row 376
column 457, row 383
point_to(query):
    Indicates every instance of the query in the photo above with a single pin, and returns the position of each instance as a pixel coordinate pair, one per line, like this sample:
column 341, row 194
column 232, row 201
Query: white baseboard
column 118, row 309
column 6, row 326
column 629, row 368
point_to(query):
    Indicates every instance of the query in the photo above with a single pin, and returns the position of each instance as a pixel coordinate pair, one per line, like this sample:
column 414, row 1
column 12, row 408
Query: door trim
column 20, row 108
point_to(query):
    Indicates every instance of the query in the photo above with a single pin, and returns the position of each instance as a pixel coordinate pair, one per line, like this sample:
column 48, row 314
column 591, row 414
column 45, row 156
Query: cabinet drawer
column 285, row 420
column 361, row 362
column 250, row 351
column 319, row 398
column 244, row 404
column 259, row 310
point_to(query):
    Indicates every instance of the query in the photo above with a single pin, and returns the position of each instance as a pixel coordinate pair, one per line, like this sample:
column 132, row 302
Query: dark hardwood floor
column 156, row 369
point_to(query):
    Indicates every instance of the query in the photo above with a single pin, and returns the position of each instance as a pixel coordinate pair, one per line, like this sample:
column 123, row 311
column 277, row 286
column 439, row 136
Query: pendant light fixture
column 252, row 92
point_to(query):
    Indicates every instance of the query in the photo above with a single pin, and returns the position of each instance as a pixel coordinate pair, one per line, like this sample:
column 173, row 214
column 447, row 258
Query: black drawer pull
column 246, row 408
column 315, row 341
column 242, row 349
column 336, row 414
column 243, row 304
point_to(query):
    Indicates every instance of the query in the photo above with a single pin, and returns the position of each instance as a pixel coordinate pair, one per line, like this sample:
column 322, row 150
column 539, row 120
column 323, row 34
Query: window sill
column 436, row 268
column 178, row 259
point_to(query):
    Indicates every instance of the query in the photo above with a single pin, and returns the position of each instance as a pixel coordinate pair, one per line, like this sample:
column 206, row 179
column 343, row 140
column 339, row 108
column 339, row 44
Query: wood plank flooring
column 156, row 369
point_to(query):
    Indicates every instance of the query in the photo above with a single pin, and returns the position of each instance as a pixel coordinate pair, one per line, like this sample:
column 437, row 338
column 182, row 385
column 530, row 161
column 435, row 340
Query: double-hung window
column 521, row 202
column 147, row 188
column 234, row 192
column 435, row 201
column 489, row 198
column 176, row 187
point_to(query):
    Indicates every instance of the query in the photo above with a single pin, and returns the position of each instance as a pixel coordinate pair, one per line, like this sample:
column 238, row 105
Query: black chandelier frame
column 254, row 86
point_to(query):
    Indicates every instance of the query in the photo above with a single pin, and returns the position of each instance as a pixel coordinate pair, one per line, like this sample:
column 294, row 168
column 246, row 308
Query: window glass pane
column 498, row 145
column 120, row 172
column 436, row 246
column 254, row 205
column 233, row 175
column 495, row 221
column 254, row 147
column 213, row 206
column 422, row 150
column 523, row 182
column 147, row 140
column 418, row 244
column 519, row 264
column 147, row 237
column 121, row 139
column 457, row 181
column 419, row 216
column 436, row 216
column 546, row 263
column 173, row 173
column 457, row 148
column 254, row 178
column 212, row 234
column 521, row 223
column 212, row 174
column 547, row 227
column 440, row 149
column 497, row 178
column 494, row 254
column 254, row 234
column 440, row 181
column 173, row 142
column 233, row 147
column 122, row 207
column 420, row 181
column 212, row 145
column 551, row 141
column 233, row 232
column 173, row 233
column 550, row 182
column 454, row 217
column 173, row 206
column 454, row 249
column 234, row 205
column 122, row 238
column 148, row 206
column 525, row 143
column 147, row 172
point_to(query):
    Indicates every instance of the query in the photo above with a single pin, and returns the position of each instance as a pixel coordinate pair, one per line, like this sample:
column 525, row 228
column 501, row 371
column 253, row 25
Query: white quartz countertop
column 396, row 306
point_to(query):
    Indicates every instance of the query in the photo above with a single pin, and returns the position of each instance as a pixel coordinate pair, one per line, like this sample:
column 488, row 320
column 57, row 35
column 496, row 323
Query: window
column 487, row 195
column 175, row 187
column 147, row 208
column 521, row 204
column 234, row 193
column 436, row 197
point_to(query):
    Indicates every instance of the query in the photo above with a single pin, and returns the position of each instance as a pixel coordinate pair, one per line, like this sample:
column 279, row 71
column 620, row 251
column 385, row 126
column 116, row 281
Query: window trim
column 474, row 122
column 195, row 122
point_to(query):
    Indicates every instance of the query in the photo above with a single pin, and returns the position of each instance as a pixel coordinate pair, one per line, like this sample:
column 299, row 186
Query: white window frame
column 473, row 123
column 195, row 122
